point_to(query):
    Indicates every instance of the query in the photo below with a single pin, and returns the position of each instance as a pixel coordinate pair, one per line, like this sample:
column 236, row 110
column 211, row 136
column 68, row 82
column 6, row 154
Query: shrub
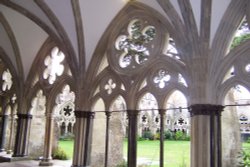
column 60, row 154
column 179, row 135
column 248, row 140
column 245, row 156
column 140, row 138
column 157, row 136
column 148, row 135
column 168, row 135
column 187, row 137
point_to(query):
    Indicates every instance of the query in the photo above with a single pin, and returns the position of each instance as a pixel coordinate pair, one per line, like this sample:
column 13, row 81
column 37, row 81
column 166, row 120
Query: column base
column 46, row 163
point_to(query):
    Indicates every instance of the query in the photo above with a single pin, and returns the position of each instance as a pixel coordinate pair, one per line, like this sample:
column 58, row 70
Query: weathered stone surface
column 115, row 142
column 231, row 143
column 37, row 134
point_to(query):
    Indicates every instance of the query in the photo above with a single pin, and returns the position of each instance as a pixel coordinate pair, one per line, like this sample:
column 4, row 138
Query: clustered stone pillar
column 83, row 138
column 21, row 143
column 132, row 136
column 48, row 142
column 4, row 123
column 205, row 135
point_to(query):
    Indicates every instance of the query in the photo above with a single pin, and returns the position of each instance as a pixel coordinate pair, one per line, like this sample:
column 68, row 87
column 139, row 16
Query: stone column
column 48, row 142
column 132, row 137
column 83, row 138
column 108, row 114
column 23, row 129
column 162, row 127
column 205, row 135
column 12, row 124
column 4, row 124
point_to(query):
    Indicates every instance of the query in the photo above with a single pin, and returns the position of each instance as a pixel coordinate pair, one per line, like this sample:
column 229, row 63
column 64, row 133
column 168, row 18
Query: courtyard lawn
column 246, row 146
column 176, row 154
column 67, row 146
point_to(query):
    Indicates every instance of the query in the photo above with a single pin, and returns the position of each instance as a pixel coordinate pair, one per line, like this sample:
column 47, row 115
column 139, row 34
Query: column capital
column 84, row 114
column 132, row 112
column 162, row 111
column 205, row 109
column 108, row 113
column 24, row 116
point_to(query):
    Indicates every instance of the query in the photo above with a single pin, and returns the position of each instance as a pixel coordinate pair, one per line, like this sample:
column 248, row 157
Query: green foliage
column 168, row 135
column 140, row 138
column 157, row 136
column 187, row 138
column 245, row 155
column 179, row 135
column 60, row 154
column 148, row 135
column 248, row 140
column 240, row 39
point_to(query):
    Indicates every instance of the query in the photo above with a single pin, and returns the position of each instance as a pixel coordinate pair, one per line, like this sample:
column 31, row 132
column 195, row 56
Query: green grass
column 246, row 146
column 67, row 146
column 175, row 152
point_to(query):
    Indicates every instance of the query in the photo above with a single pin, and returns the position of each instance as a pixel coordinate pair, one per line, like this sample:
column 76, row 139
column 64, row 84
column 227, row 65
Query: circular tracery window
column 134, row 46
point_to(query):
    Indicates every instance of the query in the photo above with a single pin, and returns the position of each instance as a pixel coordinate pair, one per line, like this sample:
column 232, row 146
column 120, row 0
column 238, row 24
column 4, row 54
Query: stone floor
column 32, row 163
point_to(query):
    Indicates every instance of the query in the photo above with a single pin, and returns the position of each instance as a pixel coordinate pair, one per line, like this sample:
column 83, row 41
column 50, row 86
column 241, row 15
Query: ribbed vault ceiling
column 26, row 24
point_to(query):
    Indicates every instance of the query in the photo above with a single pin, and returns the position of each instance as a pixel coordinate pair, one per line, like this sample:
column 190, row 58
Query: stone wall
column 36, row 138
column 99, row 135
column 231, row 143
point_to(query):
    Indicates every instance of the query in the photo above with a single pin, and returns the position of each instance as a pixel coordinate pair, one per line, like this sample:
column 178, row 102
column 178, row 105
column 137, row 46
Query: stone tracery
column 128, row 85
column 53, row 65
column 64, row 111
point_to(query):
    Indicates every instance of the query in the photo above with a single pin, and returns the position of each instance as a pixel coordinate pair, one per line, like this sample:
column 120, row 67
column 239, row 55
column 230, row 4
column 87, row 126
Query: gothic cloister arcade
column 94, row 67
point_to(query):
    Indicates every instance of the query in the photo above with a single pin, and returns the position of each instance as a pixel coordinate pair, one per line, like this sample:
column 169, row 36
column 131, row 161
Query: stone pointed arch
column 17, row 57
column 57, row 90
column 238, row 55
column 224, row 34
column 229, row 84
column 38, row 68
column 32, row 94
column 107, row 85
column 121, row 18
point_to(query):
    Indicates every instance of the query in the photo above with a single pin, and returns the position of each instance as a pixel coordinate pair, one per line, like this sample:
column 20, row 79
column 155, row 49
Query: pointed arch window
column 241, row 35
column 38, row 104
